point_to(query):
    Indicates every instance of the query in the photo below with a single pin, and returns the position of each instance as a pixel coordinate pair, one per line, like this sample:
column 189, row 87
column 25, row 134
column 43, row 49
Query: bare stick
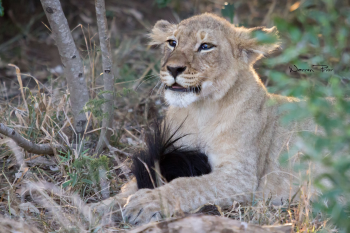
column 73, row 67
column 104, row 184
column 108, row 77
column 18, row 73
column 26, row 144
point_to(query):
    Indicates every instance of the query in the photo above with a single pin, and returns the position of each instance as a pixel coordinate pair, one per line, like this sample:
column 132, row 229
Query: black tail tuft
column 174, row 161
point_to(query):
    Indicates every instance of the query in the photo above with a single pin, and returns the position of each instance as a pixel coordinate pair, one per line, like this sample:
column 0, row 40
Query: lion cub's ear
column 160, row 32
column 249, row 48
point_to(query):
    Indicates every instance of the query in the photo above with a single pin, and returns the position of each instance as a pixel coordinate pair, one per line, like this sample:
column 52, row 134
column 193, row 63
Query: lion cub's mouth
column 178, row 87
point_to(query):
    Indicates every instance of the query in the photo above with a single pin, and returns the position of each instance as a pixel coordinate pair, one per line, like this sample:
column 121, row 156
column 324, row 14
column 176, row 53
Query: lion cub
column 211, row 87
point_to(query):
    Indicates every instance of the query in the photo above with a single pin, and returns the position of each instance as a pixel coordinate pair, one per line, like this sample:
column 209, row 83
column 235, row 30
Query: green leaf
column 74, row 177
column 87, row 181
column 162, row 3
column 281, row 24
column 65, row 184
column 1, row 9
column 295, row 33
column 228, row 11
column 87, row 157
column 126, row 91
column 264, row 37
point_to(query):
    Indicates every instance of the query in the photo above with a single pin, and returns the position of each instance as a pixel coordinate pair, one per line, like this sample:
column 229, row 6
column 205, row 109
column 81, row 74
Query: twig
column 108, row 77
column 41, row 160
column 113, row 149
column 26, row 144
column 104, row 184
column 137, row 139
column 124, row 168
column 267, row 16
column 18, row 73
column 140, row 80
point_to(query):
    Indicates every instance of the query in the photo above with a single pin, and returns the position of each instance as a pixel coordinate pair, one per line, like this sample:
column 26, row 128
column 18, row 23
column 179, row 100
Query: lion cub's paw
column 143, row 207
column 112, row 205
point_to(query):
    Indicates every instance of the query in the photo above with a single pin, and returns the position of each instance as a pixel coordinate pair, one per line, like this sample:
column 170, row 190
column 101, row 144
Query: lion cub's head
column 203, row 55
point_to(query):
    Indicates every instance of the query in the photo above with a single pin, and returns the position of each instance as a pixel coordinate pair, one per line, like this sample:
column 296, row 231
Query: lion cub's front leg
column 220, row 187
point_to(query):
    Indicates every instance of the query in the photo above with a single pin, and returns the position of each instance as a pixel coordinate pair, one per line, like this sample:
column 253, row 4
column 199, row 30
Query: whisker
column 155, row 86
column 163, row 88
column 160, row 88
column 148, row 77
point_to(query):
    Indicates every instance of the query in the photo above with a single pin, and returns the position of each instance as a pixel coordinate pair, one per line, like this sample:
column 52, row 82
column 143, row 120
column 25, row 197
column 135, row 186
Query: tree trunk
column 73, row 67
column 108, row 77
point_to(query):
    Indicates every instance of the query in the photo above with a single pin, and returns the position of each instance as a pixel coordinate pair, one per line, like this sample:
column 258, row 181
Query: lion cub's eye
column 172, row 43
column 205, row 46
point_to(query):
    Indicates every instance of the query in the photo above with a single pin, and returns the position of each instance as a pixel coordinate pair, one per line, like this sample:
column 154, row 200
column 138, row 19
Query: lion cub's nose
column 175, row 71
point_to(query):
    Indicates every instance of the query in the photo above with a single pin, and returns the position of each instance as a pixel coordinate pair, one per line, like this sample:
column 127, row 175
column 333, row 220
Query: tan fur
column 233, row 120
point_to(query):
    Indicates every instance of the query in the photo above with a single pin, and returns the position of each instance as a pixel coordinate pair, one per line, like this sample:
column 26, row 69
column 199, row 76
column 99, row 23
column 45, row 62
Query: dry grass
column 58, row 187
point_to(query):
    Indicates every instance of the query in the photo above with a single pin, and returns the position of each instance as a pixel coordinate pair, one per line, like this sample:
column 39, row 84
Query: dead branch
column 26, row 144
column 104, row 184
column 73, row 67
column 209, row 224
column 108, row 77
column 40, row 160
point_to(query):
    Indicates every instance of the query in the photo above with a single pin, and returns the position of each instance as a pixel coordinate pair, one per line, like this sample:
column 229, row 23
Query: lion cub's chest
column 200, row 126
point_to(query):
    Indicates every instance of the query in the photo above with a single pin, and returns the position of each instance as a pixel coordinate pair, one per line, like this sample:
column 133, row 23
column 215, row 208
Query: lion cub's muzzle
column 175, row 71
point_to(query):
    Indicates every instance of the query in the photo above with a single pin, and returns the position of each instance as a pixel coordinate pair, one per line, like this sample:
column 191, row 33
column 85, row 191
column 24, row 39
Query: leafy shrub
column 84, row 172
column 317, row 34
